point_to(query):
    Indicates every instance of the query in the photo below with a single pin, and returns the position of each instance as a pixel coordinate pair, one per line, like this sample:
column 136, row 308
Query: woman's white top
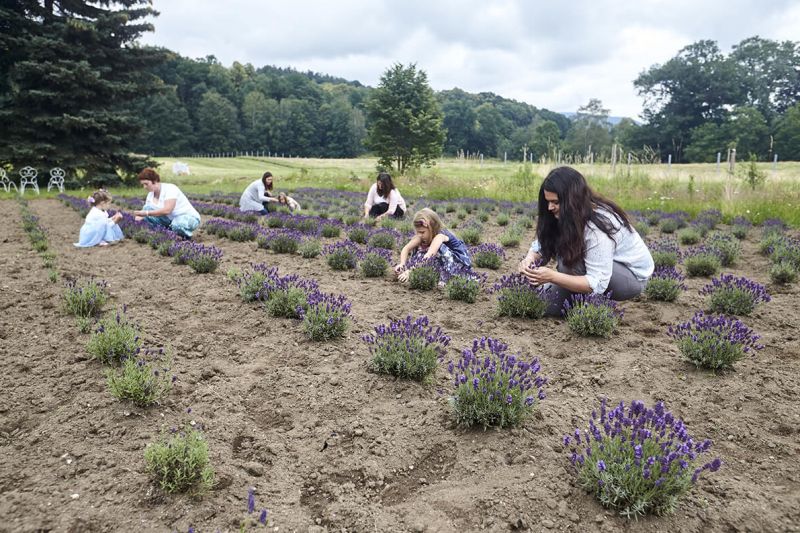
column 395, row 200
column 253, row 196
column 172, row 192
column 626, row 247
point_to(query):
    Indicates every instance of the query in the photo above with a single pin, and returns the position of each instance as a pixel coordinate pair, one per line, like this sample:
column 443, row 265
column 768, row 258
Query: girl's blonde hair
column 99, row 196
column 427, row 218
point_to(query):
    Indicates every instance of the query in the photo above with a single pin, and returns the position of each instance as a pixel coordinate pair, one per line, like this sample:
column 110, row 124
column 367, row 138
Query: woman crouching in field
column 596, row 248
column 384, row 199
column 432, row 240
column 166, row 205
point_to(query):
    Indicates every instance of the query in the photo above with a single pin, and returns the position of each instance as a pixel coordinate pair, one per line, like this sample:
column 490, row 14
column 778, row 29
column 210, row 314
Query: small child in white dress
column 99, row 229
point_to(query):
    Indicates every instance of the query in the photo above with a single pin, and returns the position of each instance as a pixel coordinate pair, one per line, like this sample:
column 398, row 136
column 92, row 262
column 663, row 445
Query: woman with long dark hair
column 596, row 248
column 384, row 199
column 258, row 195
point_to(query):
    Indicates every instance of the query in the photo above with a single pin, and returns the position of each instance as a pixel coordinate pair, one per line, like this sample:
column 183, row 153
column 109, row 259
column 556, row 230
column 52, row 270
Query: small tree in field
column 406, row 129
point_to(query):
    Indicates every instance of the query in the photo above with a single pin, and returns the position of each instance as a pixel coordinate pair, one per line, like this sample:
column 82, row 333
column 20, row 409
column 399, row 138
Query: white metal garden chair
column 28, row 177
column 5, row 182
column 56, row 179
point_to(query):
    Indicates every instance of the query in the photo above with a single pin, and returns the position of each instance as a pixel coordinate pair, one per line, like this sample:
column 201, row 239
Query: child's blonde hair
column 427, row 218
column 98, row 197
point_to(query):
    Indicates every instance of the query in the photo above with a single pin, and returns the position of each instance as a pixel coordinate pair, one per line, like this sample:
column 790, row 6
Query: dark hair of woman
column 564, row 236
column 385, row 185
column 264, row 180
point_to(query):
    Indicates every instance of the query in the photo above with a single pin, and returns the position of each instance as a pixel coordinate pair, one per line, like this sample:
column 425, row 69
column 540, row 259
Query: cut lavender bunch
column 407, row 348
column 326, row 317
column 714, row 341
column 637, row 460
column 487, row 255
column 665, row 284
column 493, row 387
column 516, row 297
column 592, row 315
column 732, row 295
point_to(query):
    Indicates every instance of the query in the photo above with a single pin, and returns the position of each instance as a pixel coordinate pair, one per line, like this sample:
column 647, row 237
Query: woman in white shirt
column 166, row 205
column 384, row 199
column 258, row 195
column 596, row 247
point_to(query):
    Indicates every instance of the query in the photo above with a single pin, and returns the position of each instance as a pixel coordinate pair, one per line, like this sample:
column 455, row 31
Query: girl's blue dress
column 98, row 228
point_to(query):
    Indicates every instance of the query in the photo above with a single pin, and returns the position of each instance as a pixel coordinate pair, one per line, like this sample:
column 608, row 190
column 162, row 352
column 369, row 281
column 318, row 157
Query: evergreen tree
column 217, row 123
column 405, row 121
column 70, row 72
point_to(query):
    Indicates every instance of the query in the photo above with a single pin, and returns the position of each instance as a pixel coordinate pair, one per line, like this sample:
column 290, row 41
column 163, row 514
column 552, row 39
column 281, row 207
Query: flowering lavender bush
column 85, row 298
column 385, row 239
column 326, row 317
column 342, row 255
column 374, row 265
column 407, row 348
column 487, row 256
column 726, row 246
column 669, row 225
column 286, row 296
column 511, row 237
column 472, row 234
column 463, row 288
column 115, row 339
column 740, row 227
column 701, row 261
column 203, row 259
column 518, row 298
column 689, row 235
column 359, row 234
column 770, row 241
column 714, row 341
column 638, row 460
column 180, row 463
column 665, row 253
column 143, row 380
column 243, row 232
column 251, row 282
column 592, row 315
column 786, row 251
column 772, row 226
column 331, row 229
column 310, row 248
column 493, row 387
column 642, row 228
column 423, row 273
column 731, row 295
column 782, row 273
column 284, row 242
column 665, row 284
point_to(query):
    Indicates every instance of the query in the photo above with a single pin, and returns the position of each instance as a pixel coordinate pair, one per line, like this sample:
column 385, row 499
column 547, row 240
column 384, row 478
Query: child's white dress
column 97, row 228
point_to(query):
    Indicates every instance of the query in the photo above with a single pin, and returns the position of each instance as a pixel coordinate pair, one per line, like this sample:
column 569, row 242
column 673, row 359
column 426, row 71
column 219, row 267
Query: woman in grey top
column 595, row 246
column 258, row 195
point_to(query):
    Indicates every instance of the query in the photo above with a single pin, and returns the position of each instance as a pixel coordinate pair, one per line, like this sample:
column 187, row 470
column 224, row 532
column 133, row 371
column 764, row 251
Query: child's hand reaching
column 117, row 217
column 403, row 277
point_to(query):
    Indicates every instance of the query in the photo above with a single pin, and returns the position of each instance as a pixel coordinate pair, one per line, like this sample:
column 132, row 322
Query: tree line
column 78, row 91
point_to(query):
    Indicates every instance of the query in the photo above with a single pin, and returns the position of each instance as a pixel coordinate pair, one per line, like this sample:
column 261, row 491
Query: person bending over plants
column 433, row 241
column 596, row 248
column 384, row 199
column 166, row 205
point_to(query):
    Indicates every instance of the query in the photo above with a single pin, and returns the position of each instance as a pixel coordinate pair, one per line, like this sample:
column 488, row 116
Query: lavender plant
column 383, row 239
column 310, row 248
column 726, row 246
column 374, row 265
column 715, row 342
column 143, row 380
column 423, row 273
column 463, row 288
column 201, row 258
column 286, row 296
column 732, row 295
column 342, row 255
column 359, row 234
column 668, row 225
column 592, row 315
column 180, row 463
column 331, row 230
column 114, row 340
column 639, row 460
column 786, row 251
column 701, row 261
column 740, row 227
column 511, row 237
column 487, row 256
column 471, row 234
column 243, row 232
column 85, row 298
column 782, row 273
column 251, row 282
column 689, row 235
column 493, row 387
column 516, row 297
column 326, row 317
column 665, row 284
column 502, row 219
column 665, row 253
column 407, row 348
column 285, row 242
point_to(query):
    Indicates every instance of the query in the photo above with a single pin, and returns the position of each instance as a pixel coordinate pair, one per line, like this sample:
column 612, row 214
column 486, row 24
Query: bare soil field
column 330, row 446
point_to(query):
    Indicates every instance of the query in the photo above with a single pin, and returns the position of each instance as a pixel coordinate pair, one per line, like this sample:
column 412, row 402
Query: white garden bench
column 28, row 177
column 56, row 179
column 5, row 182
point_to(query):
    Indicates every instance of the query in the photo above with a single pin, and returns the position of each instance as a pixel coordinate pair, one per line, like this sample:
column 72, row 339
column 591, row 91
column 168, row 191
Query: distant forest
column 699, row 103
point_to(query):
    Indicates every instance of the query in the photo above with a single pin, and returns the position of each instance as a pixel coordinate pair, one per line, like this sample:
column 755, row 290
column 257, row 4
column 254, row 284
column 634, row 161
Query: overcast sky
column 555, row 55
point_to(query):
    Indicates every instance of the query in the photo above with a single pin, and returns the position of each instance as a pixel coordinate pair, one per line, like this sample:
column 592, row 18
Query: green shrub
column 592, row 315
column 423, row 278
column 374, row 266
column 310, row 248
column 181, row 463
column 688, row 236
column 727, row 247
column 287, row 303
column 242, row 233
column 502, row 219
column 702, row 264
column 359, row 235
column 114, row 340
column 782, row 273
column 668, row 225
column 383, row 240
column 284, row 244
column 331, row 230
column 471, row 235
column 510, row 238
column 142, row 380
column 85, row 298
column 463, row 288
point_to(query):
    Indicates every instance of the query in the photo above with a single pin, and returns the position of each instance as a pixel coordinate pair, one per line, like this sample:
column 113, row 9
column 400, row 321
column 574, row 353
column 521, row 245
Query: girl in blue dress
column 433, row 240
column 99, row 229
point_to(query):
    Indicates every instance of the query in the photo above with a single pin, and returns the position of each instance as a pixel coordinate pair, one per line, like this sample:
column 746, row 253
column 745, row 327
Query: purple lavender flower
column 714, row 341
column 251, row 500
column 734, row 295
column 263, row 517
column 592, row 314
column 408, row 348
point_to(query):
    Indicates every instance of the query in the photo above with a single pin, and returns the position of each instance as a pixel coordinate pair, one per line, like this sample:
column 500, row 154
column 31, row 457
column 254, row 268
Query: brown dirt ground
column 270, row 400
